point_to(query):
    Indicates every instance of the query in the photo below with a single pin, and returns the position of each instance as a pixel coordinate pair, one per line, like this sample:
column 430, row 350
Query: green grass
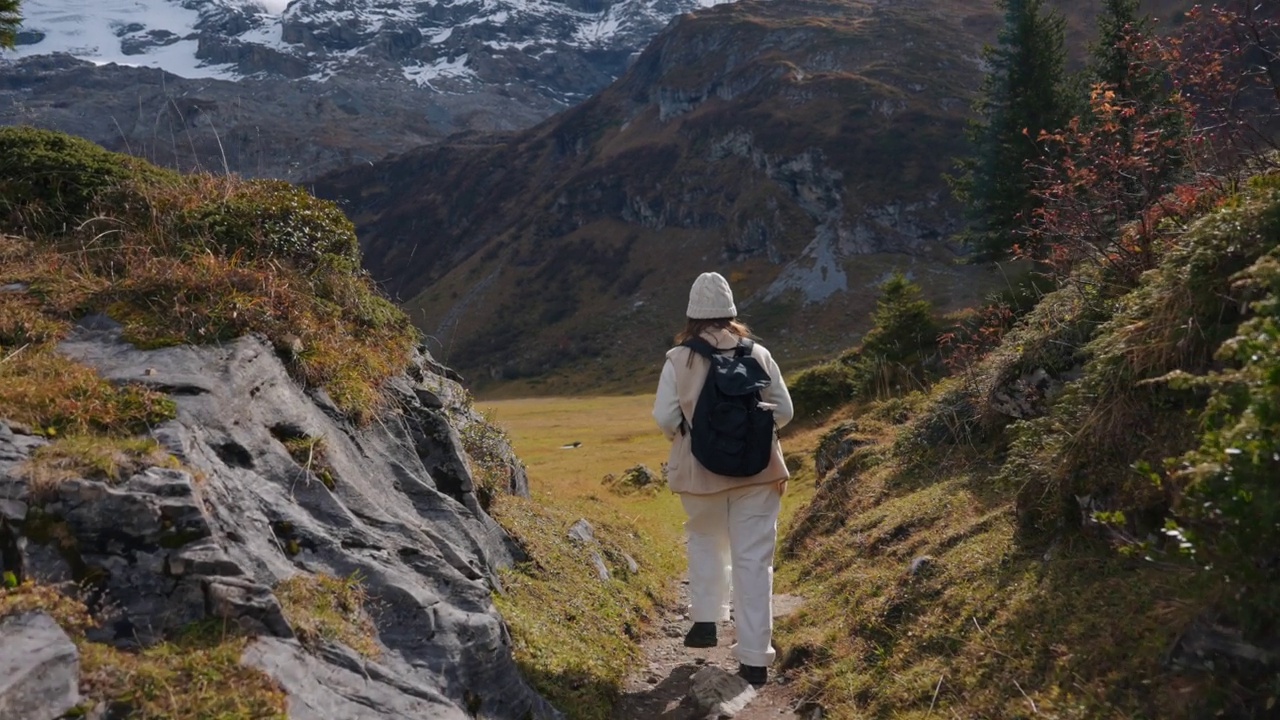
column 991, row 627
column 195, row 675
column 576, row 636
column 1033, row 605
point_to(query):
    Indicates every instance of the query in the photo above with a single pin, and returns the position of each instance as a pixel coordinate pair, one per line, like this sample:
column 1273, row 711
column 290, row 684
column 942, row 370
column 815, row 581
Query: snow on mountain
column 148, row 33
column 294, row 88
column 463, row 42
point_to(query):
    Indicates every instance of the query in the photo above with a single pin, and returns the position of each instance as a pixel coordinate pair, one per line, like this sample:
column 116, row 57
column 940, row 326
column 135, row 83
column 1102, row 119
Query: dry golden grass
column 55, row 395
column 95, row 457
column 323, row 608
column 615, row 432
column 188, row 259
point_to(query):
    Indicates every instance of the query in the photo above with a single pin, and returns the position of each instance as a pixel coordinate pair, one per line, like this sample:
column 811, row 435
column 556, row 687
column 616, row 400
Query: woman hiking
column 732, row 517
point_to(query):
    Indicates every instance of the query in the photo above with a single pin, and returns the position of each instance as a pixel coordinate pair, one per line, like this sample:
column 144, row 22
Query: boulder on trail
column 715, row 693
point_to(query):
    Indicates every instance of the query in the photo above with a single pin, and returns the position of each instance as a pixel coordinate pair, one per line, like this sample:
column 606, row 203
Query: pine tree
column 9, row 22
column 1022, row 95
column 903, row 325
column 1116, row 60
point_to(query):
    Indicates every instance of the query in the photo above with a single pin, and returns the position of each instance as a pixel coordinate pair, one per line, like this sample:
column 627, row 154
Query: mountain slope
column 359, row 78
column 798, row 147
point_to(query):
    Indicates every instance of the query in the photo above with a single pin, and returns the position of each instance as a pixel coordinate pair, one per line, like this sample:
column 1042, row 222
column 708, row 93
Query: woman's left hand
column 782, row 487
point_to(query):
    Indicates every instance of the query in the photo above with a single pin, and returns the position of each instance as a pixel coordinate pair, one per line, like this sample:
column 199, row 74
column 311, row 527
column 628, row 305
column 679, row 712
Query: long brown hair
column 695, row 328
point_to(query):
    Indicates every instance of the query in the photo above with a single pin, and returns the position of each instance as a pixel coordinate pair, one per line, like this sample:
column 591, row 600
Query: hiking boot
column 701, row 635
column 754, row 674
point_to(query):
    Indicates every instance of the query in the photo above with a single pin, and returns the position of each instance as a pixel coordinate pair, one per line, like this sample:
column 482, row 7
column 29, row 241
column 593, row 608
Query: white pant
column 731, row 540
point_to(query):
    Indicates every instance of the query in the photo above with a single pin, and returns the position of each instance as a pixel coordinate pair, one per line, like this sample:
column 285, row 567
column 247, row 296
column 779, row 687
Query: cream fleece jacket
column 678, row 390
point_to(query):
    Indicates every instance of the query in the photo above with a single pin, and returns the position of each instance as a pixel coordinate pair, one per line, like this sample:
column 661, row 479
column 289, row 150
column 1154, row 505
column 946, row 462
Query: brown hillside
column 796, row 147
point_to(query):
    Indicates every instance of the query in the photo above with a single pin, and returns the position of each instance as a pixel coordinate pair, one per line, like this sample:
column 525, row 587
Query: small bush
column 273, row 219
column 821, row 389
column 903, row 329
column 895, row 357
column 50, row 182
column 1230, row 521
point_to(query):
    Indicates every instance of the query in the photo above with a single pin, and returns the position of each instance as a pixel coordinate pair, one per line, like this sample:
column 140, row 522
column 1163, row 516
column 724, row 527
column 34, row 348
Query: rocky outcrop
column 39, row 668
column 237, row 515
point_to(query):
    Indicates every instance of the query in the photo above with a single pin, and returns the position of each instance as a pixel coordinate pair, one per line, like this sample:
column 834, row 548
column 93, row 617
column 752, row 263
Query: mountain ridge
column 405, row 74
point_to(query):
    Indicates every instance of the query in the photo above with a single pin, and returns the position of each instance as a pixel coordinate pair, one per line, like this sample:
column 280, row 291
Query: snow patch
column 97, row 31
column 425, row 73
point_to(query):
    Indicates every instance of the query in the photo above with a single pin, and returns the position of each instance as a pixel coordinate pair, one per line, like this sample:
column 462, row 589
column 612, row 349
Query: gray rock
column 39, row 669
column 1205, row 645
column 714, row 693
column 321, row 690
column 582, row 532
column 601, row 568
column 248, row 605
column 835, row 447
column 124, row 537
column 14, row 511
column 922, row 566
column 1026, row 396
column 811, row 711
column 402, row 513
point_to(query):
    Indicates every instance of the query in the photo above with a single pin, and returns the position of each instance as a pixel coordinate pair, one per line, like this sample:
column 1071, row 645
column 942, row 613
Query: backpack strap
column 700, row 346
column 707, row 350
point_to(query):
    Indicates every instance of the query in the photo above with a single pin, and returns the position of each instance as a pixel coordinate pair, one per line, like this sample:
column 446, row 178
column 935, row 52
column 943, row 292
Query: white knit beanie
column 710, row 298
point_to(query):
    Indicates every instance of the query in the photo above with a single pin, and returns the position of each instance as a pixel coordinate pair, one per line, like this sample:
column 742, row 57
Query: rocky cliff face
column 213, row 534
column 798, row 147
column 296, row 89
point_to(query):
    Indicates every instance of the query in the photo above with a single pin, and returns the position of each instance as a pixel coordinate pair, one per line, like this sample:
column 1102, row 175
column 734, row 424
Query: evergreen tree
column 9, row 22
column 903, row 325
column 1022, row 95
column 1116, row 56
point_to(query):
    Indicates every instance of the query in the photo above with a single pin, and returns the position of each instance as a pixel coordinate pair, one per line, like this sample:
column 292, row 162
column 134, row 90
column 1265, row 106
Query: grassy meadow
column 576, row 636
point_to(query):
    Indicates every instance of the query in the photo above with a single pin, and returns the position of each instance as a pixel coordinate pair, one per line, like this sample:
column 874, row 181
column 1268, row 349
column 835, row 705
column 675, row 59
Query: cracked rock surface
column 213, row 537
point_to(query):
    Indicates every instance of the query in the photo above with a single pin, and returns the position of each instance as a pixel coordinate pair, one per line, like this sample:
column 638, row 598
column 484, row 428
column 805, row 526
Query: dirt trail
column 656, row 691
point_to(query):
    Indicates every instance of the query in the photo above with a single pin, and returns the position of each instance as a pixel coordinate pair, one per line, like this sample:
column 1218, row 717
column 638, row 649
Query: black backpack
column 732, row 434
